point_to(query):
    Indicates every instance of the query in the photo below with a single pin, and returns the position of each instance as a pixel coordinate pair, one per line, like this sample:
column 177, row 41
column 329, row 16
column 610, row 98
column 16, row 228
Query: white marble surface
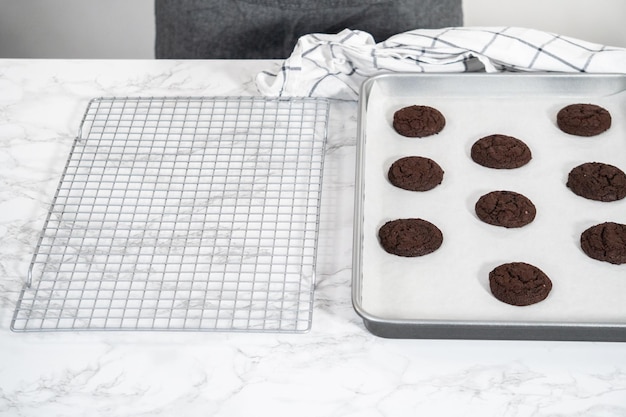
column 337, row 369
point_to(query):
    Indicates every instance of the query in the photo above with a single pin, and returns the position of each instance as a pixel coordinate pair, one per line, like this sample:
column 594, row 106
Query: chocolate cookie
column 519, row 284
column 410, row 237
column 597, row 181
column 583, row 119
column 415, row 173
column 418, row 121
column 506, row 209
column 605, row 242
column 500, row 152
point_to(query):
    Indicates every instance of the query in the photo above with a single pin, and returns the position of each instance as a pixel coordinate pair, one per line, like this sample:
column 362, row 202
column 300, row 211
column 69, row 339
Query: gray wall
column 76, row 29
column 125, row 28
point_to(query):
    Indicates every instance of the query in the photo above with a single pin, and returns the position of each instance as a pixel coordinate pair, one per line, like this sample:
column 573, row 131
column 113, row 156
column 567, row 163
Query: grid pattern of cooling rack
column 183, row 214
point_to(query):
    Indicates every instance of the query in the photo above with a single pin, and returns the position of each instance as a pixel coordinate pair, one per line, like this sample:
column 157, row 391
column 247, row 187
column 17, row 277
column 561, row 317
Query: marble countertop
column 336, row 369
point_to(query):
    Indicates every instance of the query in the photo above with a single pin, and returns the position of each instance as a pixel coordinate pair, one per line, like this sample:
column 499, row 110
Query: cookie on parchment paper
column 506, row 209
column 500, row 152
column 597, row 181
column 418, row 121
column 415, row 173
column 410, row 237
column 583, row 119
column 519, row 284
column 605, row 242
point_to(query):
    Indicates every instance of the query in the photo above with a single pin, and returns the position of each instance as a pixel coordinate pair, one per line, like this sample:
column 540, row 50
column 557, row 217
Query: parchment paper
column 452, row 283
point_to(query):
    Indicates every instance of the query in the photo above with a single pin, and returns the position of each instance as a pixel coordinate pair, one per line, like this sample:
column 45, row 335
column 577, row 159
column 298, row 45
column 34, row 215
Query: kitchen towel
column 335, row 65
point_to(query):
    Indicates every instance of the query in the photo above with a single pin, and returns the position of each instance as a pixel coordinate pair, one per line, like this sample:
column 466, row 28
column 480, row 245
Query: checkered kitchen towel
column 326, row 65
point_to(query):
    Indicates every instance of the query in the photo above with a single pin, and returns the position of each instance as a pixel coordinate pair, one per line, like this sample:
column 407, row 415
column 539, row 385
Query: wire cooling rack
column 183, row 214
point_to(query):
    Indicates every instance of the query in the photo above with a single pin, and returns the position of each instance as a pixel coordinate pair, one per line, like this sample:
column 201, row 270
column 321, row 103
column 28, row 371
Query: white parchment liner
column 452, row 283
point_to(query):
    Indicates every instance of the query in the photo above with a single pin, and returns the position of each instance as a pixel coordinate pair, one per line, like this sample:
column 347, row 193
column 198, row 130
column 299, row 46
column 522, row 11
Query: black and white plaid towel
column 335, row 65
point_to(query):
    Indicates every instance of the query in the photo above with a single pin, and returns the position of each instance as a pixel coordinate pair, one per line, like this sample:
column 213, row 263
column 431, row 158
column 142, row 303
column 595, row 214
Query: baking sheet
column 448, row 290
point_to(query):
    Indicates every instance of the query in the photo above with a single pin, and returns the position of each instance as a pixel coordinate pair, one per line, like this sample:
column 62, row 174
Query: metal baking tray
column 183, row 213
column 445, row 295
